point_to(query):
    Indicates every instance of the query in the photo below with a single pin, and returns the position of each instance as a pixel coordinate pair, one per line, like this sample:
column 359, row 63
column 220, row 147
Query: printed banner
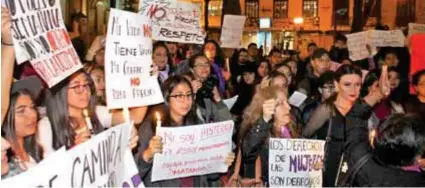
column 416, row 28
column 193, row 150
column 291, row 162
column 174, row 21
column 128, row 61
column 356, row 42
column 40, row 36
column 232, row 30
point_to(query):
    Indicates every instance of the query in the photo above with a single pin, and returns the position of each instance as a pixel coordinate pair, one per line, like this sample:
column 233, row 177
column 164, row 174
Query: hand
column 269, row 107
column 154, row 70
column 421, row 162
column 133, row 138
column 155, row 146
column 82, row 135
column 369, row 49
column 6, row 26
column 216, row 95
column 384, row 83
column 196, row 84
column 265, row 82
column 318, row 165
column 230, row 158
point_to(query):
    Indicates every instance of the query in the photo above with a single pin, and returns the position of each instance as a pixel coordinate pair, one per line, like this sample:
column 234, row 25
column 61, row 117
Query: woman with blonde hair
column 267, row 116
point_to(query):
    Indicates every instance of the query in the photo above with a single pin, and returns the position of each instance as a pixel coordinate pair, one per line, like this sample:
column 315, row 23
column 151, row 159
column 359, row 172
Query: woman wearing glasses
column 328, row 121
column 177, row 111
column 65, row 124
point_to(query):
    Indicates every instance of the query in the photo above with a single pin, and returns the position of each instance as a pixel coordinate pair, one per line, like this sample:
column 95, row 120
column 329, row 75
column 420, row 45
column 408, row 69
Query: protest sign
column 174, row 21
column 193, row 150
column 39, row 36
column 291, row 162
column 356, row 42
column 44, row 174
column 231, row 32
column 416, row 28
column 99, row 161
column 128, row 60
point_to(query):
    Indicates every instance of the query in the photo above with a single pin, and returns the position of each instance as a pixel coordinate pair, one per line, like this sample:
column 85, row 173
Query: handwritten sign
column 356, row 42
column 41, row 175
column 174, row 21
column 128, row 61
column 416, row 28
column 40, row 36
column 231, row 32
column 193, row 150
column 291, row 162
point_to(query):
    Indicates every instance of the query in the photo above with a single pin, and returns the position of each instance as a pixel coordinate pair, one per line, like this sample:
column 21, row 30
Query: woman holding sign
column 177, row 111
column 328, row 122
column 267, row 116
column 73, row 117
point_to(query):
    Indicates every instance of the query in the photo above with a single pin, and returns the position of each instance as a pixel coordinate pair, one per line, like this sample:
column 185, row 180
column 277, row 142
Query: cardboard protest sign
column 174, row 21
column 128, row 60
column 40, row 36
column 193, row 150
column 99, row 161
column 416, row 28
column 232, row 30
column 356, row 42
column 44, row 174
column 291, row 162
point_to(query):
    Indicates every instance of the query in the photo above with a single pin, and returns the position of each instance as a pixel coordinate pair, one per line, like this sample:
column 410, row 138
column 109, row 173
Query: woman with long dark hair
column 161, row 57
column 178, row 111
column 328, row 121
column 20, row 124
column 215, row 55
column 65, row 123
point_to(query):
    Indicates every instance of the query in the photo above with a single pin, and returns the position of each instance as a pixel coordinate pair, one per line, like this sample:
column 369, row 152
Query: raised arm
column 7, row 60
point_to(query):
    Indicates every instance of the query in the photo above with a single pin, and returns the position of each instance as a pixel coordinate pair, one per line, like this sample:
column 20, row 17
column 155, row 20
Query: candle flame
column 158, row 117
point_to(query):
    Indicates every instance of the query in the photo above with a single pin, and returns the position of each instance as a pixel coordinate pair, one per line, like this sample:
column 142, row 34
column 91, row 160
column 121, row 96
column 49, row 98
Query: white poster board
column 291, row 162
column 40, row 36
column 232, row 30
column 356, row 42
column 416, row 28
column 41, row 175
column 128, row 60
column 174, row 21
column 193, row 150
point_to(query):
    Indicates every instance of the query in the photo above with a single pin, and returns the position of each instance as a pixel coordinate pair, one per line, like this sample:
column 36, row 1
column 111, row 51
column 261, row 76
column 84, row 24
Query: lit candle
column 227, row 64
column 158, row 122
column 87, row 118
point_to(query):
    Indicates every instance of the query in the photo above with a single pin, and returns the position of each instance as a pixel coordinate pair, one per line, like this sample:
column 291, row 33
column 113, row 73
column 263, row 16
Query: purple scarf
column 221, row 82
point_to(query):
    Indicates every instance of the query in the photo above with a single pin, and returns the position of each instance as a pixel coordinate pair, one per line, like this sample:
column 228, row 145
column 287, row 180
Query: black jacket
column 374, row 173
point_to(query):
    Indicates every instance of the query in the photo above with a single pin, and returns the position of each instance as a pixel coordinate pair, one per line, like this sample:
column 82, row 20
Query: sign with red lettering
column 40, row 36
column 128, row 60
column 291, row 162
column 174, row 21
column 193, row 150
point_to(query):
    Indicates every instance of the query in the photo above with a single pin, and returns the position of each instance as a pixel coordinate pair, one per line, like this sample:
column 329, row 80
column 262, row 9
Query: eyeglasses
column 78, row 89
column 181, row 97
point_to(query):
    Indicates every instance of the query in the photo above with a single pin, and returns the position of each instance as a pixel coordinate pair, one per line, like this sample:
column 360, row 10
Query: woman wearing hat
column 20, row 124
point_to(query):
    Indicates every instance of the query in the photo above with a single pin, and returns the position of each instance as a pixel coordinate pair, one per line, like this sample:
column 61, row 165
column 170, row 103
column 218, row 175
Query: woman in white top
column 20, row 123
column 65, row 124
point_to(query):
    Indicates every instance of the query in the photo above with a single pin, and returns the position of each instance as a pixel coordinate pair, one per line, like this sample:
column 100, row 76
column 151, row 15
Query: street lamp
column 298, row 20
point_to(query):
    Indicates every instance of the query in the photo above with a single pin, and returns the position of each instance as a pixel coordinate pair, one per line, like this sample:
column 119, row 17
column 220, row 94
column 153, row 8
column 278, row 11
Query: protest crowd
column 197, row 118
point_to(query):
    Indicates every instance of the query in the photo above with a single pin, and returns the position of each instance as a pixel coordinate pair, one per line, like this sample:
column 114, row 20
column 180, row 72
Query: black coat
column 374, row 173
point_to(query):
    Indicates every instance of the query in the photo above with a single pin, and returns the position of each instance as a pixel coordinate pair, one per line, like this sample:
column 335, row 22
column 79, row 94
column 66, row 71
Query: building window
column 280, row 9
column 251, row 8
column 310, row 8
column 341, row 12
column 405, row 12
column 215, row 7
